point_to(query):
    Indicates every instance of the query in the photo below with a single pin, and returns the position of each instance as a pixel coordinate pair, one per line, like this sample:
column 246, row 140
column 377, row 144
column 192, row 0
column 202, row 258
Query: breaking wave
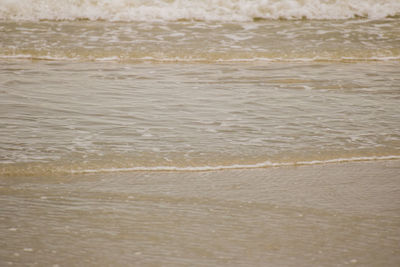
column 205, row 10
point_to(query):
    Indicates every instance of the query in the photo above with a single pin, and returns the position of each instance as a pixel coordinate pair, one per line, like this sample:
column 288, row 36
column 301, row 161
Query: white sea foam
column 176, row 59
column 208, row 10
column 265, row 164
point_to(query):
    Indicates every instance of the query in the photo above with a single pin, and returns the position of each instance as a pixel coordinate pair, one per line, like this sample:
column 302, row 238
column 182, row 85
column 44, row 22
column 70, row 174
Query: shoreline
column 333, row 214
column 46, row 169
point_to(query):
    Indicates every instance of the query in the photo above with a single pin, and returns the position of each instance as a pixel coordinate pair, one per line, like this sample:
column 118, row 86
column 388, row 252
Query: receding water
column 120, row 119
column 203, row 41
column 196, row 95
column 320, row 215
column 77, row 116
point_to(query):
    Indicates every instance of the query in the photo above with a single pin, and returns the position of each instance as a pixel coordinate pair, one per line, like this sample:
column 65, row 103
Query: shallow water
column 120, row 119
column 203, row 41
column 77, row 116
column 320, row 215
column 196, row 95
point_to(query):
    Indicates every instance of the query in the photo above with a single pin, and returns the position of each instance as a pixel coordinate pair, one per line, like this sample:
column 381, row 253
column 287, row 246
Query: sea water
column 90, row 89
column 81, row 95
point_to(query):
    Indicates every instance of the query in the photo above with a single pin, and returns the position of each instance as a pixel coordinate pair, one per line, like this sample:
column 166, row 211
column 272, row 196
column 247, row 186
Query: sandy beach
column 320, row 215
column 199, row 133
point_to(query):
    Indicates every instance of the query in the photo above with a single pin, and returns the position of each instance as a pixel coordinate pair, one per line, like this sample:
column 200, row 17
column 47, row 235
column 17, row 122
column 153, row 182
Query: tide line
column 264, row 164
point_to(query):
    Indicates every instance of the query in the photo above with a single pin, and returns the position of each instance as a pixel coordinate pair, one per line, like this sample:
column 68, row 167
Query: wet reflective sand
column 320, row 215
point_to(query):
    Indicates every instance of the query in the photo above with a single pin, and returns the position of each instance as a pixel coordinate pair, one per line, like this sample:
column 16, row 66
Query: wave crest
column 207, row 10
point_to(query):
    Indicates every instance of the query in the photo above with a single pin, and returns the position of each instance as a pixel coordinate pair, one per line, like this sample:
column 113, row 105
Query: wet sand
column 319, row 215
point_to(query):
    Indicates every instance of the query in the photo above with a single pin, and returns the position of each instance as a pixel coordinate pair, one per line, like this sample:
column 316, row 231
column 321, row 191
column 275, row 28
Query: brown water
column 204, row 133
column 320, row 215
column 202, row 41
column 81, row 96
column 62, row 117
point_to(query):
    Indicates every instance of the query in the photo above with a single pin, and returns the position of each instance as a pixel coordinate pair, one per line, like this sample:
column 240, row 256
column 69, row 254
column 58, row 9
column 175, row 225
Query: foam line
column 237, row 166
column 206, row 10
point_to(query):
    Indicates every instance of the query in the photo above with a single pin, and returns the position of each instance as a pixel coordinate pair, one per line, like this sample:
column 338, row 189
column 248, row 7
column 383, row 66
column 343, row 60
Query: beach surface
column 199, row 133
column 319, row 215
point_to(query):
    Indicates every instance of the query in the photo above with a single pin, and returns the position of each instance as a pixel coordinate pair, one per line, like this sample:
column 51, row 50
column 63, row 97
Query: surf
column 202, row 10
